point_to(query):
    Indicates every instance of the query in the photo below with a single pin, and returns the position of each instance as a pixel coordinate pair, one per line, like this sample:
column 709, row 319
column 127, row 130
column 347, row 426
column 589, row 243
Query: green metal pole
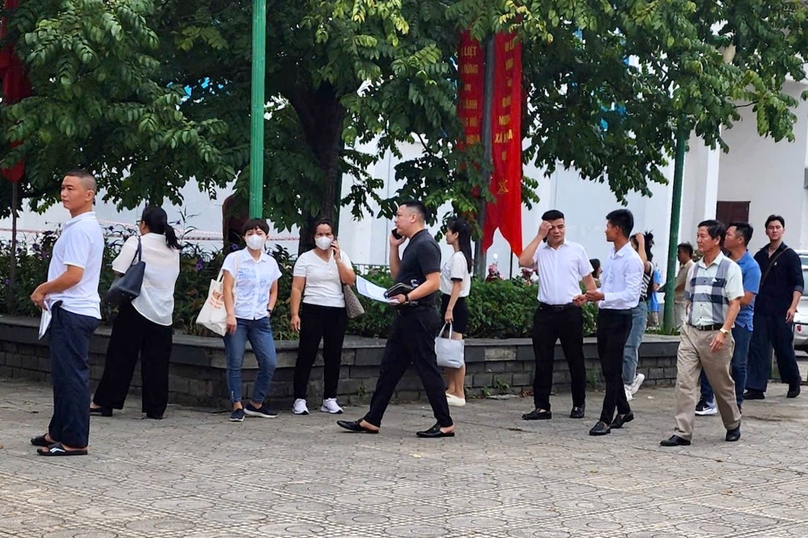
column 258, row 101
column 676, row 209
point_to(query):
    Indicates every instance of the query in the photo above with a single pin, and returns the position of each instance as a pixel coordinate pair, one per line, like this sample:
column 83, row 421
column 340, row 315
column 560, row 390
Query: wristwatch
column 723, row 331
column 270, row 311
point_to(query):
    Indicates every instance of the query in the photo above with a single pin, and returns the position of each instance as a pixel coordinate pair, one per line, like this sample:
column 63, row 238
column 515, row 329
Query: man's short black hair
column 715, row 229
column 623, row 219
column 744, row 229
column 686, row 247
column 553, row 214
column 417, row 206
column 775, row 217
column 252, row 224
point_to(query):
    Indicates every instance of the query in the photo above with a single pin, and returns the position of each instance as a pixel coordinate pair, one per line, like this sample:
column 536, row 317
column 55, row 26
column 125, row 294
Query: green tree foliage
column 607, row 84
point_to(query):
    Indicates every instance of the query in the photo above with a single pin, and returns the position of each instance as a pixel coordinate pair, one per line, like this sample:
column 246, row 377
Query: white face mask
column 323, row 242
column 256, row 242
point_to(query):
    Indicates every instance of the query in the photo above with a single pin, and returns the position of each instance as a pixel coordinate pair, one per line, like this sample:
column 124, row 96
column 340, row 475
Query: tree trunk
column 321, row 115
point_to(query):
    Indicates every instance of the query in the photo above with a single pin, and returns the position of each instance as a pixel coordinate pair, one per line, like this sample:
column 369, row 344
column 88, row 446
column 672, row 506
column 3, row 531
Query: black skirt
column 460, row 313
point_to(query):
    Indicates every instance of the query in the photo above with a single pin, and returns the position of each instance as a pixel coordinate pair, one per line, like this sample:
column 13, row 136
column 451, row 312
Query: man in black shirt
column 781, row 286
column 412, row 337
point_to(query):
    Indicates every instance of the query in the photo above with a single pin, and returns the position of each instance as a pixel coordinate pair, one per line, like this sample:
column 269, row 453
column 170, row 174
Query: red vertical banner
column 15, row 86
column 471, row 69
column 506, row 147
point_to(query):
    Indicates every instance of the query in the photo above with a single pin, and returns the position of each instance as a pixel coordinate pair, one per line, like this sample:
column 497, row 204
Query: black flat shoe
column 619, row 420
column 101, row 411
column 538, row 414
column 733, row 435
column 578, row 412
column 434, row 432
column 601, row 428
column 793, row 391
column 752, row 394
column 675, row 440
column 355, row 426
column 40, row 440
column 154, row 416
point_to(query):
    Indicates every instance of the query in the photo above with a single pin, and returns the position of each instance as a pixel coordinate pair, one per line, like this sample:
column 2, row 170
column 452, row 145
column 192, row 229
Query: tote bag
column 213, row 315
column 126, row 287
column 353, row 307
column 449, row 351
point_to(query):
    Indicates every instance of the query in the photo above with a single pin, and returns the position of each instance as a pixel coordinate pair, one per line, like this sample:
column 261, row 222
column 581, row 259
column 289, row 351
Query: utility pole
column 258, row 102
column 682, row 134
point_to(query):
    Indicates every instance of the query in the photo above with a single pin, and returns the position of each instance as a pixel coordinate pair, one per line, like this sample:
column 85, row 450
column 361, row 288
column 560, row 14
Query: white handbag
column 448, row 350
column 213, row 315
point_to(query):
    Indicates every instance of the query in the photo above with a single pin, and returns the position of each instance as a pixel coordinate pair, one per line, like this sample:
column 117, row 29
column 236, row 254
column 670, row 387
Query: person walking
column 318, row 313
column 632, row 380
column 455, row 285
column 250, row 293
column 713, row 293
column 781, row 286
column 738, row 236
column 684, row 253
column 561, row 265
column 412, row 336
column 620, row 293
column 70, row 297
column 143, row 327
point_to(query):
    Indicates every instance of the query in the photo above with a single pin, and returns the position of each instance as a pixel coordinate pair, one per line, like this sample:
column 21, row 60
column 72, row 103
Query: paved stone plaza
column 195, row 475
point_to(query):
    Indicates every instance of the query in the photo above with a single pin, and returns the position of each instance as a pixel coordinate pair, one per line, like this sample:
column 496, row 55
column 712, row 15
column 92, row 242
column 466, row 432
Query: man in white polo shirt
column 560, row 265
column 71, row 296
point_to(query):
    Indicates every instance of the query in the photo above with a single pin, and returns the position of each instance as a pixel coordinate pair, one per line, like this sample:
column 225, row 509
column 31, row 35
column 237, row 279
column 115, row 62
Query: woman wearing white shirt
column 455, row 285
column 318, row 278
column 143, row 327
column 250, row 288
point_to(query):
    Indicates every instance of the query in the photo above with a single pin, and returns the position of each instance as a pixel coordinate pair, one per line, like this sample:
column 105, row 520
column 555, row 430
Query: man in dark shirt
column 781, row 286
column 412, row 337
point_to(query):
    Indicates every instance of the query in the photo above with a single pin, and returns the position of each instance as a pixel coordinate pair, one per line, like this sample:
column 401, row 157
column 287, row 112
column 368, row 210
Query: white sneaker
column 706, row 409
column 635, row 386
column 330, row 406
column 629, row 394
column 454, row 401
column 300, row 408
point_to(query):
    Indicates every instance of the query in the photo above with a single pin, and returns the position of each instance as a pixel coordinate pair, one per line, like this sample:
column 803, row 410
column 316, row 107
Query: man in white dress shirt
column 621, row 281
column 560, row 265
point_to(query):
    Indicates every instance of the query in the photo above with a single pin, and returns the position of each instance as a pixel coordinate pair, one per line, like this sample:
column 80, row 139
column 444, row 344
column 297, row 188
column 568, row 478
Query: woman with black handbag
column 143, row 326
column 455, row 285
column 318, row 313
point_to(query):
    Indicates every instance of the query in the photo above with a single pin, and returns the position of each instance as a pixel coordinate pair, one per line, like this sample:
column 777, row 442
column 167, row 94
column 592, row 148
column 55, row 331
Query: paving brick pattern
column 195, row 475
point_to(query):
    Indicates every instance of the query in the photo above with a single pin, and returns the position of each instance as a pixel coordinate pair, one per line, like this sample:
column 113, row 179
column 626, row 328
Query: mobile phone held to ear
column 396, row 234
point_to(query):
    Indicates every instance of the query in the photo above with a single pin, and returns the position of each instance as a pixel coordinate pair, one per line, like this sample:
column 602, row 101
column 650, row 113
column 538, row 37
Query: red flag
column 15, row 85
column 506, row 148
column 471, row 68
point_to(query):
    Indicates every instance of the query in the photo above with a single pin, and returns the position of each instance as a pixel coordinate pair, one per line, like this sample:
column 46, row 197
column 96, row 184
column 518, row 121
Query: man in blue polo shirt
column 736, row 243
column 71, row 296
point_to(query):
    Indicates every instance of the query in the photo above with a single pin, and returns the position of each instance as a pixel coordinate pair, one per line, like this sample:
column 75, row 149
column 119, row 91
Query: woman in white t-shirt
column 250, row 290
column 143, row 327
column 317, row 283
column 455, row 284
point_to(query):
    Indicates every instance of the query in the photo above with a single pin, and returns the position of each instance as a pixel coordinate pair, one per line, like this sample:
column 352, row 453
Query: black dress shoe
column 355, row 426
column 793, row 391
column 675, row 440
column 752, row 394
column 434, row 432
column 734, row 434
column 619, row 420
column 601, row 428
column 538, row 414
column 101, row 411
column 578, row 412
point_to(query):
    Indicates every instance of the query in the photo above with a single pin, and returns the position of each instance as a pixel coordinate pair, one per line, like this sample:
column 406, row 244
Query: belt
column 556, row 307
column 713, row 327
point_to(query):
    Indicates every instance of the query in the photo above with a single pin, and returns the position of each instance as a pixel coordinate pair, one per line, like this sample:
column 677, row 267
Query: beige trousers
column 694, row 354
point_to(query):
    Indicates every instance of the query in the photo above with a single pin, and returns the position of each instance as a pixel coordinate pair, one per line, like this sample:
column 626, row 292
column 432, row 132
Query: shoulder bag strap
column 771, row 264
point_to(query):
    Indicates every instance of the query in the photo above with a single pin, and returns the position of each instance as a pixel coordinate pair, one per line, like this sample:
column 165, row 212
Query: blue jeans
column 259, row 333
column 742, row 337
column 631, row 353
